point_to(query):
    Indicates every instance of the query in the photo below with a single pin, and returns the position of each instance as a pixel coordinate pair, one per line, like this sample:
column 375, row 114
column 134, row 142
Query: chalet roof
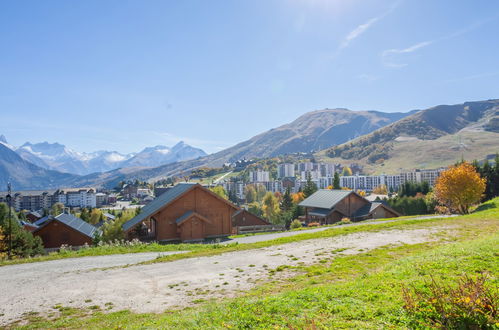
column 109, row 216
column 36, row 214
column 158, row 203
column 325, row 198
column 41, row 221
column 76, row 223
column 366, row 209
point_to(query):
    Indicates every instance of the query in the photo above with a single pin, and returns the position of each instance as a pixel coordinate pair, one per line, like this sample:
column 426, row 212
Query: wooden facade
column 55, row 233
column 245, row 218
column 328, row 207
column 195, row 213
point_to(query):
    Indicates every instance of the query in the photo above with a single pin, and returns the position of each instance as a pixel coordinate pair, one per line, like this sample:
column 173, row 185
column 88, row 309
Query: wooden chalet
column 329, row 206
column 65, row 229
column 186, row 212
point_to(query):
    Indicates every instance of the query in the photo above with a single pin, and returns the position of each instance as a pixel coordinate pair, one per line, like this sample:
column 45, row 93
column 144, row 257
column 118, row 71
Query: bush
column 295, row 224
column 473, row 304
column 313, row 224
column 344, row 221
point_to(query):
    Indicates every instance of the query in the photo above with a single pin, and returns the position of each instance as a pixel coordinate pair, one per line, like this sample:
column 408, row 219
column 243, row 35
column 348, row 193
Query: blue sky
column 123, row 75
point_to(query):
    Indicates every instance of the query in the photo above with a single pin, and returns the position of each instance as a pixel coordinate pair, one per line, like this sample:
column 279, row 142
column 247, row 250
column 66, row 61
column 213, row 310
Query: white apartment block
column 326, row 169
column 259, row 176
column 314, row 174
column 77, row 197
column 420, row 176
column 286, row 170
column 307, row 166
column 369, row 182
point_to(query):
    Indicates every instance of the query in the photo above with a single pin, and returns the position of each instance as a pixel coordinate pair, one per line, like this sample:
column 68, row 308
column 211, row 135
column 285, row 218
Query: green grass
column 352, row 291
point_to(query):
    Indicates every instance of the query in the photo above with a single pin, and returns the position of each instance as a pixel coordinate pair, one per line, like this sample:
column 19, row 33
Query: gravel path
column 37, row 287
column 267, row 237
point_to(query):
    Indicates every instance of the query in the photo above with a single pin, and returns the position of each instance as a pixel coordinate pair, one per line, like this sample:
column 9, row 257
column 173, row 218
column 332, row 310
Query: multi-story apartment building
column 286, row 170
column 420, row 176
column 314, row 174
column 259, row 176
column 37, row 200
column 369, row 182
column 307, row 166
column 326, row 169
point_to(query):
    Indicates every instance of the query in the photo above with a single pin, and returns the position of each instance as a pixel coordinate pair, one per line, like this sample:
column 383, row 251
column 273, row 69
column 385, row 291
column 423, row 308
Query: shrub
column 344, row 221
column 313, row 224
column 473, row 304
column 295, row 224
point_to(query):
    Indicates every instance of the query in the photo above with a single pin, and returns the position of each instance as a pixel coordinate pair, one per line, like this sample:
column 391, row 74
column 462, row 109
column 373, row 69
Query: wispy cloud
column 389, row 57
column 358, row 31
column 362, row 28
column 389, row 54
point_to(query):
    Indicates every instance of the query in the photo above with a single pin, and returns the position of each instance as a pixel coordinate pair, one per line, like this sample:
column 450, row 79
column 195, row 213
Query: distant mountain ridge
column 430, row 131
column 55, row 156
column 311, row 131
column 25, row 175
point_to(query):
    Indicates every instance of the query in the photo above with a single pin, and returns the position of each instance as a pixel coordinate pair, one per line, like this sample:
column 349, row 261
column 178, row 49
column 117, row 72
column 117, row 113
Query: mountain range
column 382, row 142
column 430, row 138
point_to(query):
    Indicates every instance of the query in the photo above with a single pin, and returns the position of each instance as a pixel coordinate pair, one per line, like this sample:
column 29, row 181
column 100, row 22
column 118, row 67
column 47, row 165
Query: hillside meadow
column 347, row 291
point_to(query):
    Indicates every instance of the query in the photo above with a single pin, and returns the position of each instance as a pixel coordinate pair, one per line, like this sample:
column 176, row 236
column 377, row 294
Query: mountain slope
column 25, row 175
column 311, row 131
column 315, row 130
column 445, row 133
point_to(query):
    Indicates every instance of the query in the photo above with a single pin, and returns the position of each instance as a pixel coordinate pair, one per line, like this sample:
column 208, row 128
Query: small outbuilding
column 186, row 212
column 329, row 206
column 65, row 229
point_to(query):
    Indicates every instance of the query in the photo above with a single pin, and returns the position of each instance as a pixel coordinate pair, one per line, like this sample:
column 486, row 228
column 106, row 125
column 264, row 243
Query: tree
column 347, row 171
column 298, row 197
column 255, row 208
column 250, row 193
column 336, row 181
column 220, row 191
column 233, row 196
column 270, row 207
column 24, row 244
column 459, row 187
column 85, row 215
column 287, row 201
column 95, row 216
column 310, row 186
column 380, row 190
column 57, row 209
column 260, row 192
column 3, row 245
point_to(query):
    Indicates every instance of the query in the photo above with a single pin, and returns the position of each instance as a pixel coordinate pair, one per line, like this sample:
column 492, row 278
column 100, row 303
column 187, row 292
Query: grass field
column 357, row 291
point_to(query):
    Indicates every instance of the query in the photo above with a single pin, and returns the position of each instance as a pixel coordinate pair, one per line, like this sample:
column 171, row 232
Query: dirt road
column 38, row 287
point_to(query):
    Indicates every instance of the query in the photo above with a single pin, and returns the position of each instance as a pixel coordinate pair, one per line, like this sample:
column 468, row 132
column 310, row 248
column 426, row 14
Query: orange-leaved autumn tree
column 459, row 187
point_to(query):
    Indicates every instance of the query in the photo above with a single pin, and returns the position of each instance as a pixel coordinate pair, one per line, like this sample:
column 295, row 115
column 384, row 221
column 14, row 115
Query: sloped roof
column 76, row 223
column 36, row 214
column 366, row 209
column 109, row 216
column 325, row 198
column 41, row 221
column 158, row 203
